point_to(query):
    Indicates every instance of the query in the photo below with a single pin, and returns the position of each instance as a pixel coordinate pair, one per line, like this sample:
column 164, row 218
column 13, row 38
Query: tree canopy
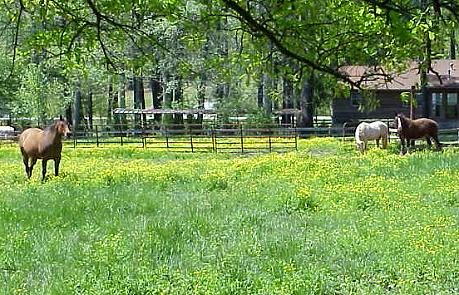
column 224, row 41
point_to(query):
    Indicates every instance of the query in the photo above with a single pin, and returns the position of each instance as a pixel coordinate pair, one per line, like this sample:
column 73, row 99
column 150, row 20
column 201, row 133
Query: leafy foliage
column 39, row 97
column 227, row 42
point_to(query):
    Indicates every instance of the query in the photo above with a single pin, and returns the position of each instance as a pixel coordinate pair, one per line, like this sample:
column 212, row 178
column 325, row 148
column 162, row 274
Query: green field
column 323, row 220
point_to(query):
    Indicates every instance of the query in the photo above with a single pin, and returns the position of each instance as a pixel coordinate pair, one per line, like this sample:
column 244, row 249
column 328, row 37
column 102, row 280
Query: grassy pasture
column 324, row 220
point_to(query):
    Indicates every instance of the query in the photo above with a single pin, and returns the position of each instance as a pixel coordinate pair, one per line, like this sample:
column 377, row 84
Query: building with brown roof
column 438, row 100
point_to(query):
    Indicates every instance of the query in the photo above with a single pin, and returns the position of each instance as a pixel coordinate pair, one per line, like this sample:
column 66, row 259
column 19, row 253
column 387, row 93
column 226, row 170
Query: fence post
column 242, row 139
column 296, row 142
column 269, row 140
column 388, row 133
column 167, row 137
column 74, row 139
column 143, row 135
column 191, row 139
column 344, row 131
column 214, row 139
column 97, row 136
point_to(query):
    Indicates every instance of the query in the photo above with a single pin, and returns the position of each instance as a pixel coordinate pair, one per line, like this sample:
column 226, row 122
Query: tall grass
column 324, row 220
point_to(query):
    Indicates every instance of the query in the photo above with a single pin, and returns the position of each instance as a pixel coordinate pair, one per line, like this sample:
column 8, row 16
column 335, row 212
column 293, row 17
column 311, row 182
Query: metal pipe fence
column 230, row 138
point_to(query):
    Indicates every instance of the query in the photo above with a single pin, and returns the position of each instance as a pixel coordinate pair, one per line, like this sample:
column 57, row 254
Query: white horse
column 371, row 131
column 6, row 131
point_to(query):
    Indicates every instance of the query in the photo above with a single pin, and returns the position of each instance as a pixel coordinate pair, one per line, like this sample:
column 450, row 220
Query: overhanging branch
column 16, row 37
column 257, row 27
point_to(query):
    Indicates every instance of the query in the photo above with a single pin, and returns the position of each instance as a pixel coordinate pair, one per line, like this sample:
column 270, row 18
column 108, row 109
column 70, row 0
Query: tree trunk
column 287, row 102
column 424, row 71
column 90, row 110
column 167, row 100
column 115, row 105
column 156, row 92
column 452, row 44
column 110, row 102
column 223, row 90
column 267, row 100
column 139, row 101
column 260, row 92
column 77, row 108
column 306, row 116
column 122, row 99
column 201, row 96
column 222, row 94
column 178, row 98
column 69, row 115
column 412, row 98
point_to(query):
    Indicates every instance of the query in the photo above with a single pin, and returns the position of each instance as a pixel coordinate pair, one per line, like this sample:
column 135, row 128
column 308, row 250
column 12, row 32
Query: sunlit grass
column 323, row 220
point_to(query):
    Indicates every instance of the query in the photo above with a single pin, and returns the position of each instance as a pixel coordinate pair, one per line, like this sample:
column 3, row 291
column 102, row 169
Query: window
column 436, row 104
column 451, row 105
column 356, row 98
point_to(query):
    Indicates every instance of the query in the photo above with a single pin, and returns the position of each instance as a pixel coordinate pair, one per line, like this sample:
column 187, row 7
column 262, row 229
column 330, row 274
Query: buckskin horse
column 43, row 144
column 408, row 130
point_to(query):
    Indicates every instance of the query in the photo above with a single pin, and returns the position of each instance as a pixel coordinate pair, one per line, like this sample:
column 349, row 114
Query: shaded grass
column 324, row 220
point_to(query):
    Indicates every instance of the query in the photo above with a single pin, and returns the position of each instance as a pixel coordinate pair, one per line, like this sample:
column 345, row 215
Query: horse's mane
column 53, row 126
column 50, row 127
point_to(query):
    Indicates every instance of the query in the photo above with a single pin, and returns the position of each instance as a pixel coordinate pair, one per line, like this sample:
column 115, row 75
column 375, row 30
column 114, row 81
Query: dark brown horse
column 43, row 144
column 409, row 130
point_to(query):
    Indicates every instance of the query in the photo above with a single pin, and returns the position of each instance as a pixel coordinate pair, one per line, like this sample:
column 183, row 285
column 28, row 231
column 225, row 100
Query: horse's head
column 399, row 117
column 62, row 127
column 360, row 146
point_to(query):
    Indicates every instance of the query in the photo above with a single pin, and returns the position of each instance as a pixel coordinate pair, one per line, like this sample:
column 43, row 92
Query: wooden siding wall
column 389, row 104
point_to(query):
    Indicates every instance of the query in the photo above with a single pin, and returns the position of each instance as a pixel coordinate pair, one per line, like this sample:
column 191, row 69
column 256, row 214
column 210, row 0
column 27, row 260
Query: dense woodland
column 83, row 58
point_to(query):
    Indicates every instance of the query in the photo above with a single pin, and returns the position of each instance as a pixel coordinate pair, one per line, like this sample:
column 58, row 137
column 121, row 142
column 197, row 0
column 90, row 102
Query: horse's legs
column 32, row 163
column 384, row 141
column 25, row 159
column 377, row 142
column 43, row 169
column 402, row 146
column 361, row 147
column 429, row 142
column 409, row 143
column 437, row 142
column 56, row 166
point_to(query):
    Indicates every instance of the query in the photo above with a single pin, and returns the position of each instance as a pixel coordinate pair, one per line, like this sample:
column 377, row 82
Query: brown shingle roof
column 447, row 70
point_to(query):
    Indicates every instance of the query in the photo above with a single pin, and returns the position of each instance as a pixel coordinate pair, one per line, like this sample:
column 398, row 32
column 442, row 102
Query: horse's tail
column 385, row 136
